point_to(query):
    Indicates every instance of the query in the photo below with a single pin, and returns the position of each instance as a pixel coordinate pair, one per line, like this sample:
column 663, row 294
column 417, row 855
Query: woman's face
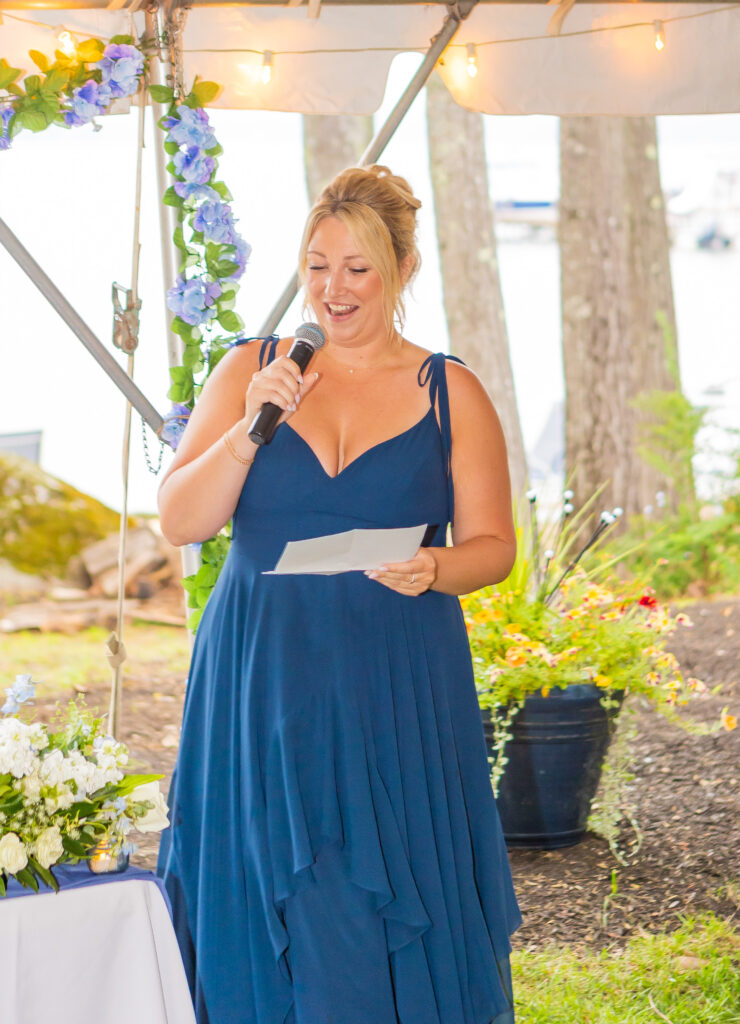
column 345, row 291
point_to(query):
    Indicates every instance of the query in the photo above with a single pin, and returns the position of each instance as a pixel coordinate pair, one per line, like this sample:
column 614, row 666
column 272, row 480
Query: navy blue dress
column 335, row 854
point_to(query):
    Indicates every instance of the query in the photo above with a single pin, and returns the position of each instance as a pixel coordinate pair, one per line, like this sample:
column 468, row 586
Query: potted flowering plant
column 63, row 793
column 555, row 649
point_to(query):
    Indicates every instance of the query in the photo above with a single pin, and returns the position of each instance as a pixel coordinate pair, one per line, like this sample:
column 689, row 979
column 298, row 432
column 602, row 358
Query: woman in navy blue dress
column 335, row 854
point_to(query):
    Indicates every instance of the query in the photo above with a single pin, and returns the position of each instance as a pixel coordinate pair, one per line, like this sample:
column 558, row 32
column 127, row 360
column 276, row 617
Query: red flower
column 648, row 601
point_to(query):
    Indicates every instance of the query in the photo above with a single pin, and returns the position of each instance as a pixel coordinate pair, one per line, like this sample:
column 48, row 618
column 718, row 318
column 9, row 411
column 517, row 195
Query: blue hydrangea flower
column 190, row 128
column 22, row 691
column 240, row 257
column 216, row 221
column 187, row 190
column 191, row 300
column 6, row 116
column 121, row 65
column 88, row 101
column 193, row 165
column 174, row 424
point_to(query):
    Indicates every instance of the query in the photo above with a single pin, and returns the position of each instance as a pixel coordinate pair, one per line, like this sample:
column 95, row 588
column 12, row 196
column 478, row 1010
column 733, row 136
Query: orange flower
column 728, row 721
column 516, row 655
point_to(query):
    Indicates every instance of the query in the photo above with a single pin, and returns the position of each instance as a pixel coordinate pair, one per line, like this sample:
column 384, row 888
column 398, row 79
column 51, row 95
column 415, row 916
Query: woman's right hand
column 281, row 383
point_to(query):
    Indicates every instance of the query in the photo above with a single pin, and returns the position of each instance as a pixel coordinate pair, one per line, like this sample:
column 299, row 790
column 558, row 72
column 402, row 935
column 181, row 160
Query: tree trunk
column 616, row 292
column 332, row 142
column 467, row 248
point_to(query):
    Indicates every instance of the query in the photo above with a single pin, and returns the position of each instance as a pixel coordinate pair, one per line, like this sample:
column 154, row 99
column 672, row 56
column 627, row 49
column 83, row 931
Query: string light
column 472, row 64
column 659, row 35
column 66, row 43
column 266, row 73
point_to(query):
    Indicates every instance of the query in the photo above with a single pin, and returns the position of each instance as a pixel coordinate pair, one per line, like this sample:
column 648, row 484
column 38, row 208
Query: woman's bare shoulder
column 469, row 399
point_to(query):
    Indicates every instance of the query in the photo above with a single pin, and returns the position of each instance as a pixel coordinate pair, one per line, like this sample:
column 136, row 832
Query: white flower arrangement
column 63, row 791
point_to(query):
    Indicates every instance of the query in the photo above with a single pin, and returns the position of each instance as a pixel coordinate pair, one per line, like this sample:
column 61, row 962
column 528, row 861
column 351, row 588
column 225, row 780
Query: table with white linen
column 101, row 950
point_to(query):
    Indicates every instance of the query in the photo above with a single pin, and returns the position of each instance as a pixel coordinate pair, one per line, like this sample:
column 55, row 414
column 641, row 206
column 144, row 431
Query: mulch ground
column 686, row 796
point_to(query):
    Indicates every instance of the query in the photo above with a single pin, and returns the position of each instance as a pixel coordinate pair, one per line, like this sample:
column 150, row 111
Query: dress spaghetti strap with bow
column 335, row 854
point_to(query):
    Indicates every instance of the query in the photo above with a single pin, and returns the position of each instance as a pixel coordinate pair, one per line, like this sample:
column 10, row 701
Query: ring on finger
column 413, row 577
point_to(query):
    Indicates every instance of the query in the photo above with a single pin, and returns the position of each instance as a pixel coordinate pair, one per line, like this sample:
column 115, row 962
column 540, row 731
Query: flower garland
column 73, row 91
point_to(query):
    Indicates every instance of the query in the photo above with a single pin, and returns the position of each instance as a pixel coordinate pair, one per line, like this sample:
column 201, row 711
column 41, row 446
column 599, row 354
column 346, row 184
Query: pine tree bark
column 332, row 142
column 468, row 259
column 616, row 290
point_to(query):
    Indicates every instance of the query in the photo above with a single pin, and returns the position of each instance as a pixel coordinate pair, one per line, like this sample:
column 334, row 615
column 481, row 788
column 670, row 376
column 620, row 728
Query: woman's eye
column 358, row 270
column 316, row 267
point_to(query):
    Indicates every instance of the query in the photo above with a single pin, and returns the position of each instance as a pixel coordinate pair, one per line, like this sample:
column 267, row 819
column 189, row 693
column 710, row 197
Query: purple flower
column 174, row 424
column 6, row 116
column 22, row 691
column 216, row 221
column 121, row 66
column 240, row 257
column 88, row 101
column 186, row 190
column 191, row 300
column 193, row 165
column 190, row 128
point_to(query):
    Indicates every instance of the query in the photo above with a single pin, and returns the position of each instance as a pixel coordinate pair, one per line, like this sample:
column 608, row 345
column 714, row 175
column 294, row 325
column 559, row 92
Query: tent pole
column 457, row 13
column 161, row 70
column 78, row 326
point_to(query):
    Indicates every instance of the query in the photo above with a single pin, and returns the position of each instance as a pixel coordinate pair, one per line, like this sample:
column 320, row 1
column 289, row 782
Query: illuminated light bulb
column 659, row 36
column 472, row 64
column 67, row 44
column 266, row 73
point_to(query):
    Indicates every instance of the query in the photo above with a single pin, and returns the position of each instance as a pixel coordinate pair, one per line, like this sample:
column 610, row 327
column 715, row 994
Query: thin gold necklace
column 351, row 369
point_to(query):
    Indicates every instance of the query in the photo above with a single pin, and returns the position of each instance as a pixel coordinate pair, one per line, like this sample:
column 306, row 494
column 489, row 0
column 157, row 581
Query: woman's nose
column 334, row 284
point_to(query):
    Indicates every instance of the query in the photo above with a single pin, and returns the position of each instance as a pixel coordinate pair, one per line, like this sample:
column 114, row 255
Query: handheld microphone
column 308, row 338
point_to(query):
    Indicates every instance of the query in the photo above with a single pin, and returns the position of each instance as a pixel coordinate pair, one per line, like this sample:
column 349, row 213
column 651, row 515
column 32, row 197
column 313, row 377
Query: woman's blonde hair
column 378, row 208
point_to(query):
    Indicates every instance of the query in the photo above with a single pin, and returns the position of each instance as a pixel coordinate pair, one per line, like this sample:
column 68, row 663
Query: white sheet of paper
column 349, row 551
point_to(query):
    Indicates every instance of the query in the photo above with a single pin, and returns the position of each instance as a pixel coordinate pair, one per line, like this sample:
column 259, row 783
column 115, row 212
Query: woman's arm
column 483, row 534
column 199, row 492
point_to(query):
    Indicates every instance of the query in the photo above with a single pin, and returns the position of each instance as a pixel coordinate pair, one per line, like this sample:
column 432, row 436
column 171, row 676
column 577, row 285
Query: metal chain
column 147, row 454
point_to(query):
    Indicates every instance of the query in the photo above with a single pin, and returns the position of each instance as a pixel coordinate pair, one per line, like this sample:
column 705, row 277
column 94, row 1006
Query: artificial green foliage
column 199, row 586
column 43, row 521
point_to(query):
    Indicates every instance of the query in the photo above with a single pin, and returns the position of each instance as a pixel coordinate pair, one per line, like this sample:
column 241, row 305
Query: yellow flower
column 513, row 627
column 653, row 678
column 728, row 721
column 666, row 660
column 546, row 690
column 683, row 620
column 696, row 684
column 602, row 680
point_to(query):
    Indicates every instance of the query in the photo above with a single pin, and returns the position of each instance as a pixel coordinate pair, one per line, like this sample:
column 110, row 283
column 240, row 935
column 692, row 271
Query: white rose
column 13, row 857
column 48, row 847
column 155, row 818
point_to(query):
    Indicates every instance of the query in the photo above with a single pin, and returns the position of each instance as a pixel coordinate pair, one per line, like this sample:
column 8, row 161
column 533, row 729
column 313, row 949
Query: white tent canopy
column 604, row 61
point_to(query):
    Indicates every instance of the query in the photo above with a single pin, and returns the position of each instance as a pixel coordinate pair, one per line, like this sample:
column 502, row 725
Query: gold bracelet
column 232, row 451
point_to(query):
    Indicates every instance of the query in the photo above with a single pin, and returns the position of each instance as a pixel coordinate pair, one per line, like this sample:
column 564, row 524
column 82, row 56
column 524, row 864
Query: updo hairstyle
column 378, row 208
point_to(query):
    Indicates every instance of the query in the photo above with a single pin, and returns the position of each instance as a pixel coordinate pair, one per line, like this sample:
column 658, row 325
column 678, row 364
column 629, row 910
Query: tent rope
column 126, row 337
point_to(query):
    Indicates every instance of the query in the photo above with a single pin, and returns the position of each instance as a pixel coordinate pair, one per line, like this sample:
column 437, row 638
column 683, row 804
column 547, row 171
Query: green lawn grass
column 62, row 663
column 560, row 985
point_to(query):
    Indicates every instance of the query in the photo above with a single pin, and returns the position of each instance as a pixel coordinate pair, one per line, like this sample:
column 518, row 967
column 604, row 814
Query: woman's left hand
column 410, row 578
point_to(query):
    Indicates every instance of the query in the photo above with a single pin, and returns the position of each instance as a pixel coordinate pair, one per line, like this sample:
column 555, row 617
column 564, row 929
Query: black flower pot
column 555, row 757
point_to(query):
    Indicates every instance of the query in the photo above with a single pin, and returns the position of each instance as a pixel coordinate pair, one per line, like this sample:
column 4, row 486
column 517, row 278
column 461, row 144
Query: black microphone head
column 311, row 334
